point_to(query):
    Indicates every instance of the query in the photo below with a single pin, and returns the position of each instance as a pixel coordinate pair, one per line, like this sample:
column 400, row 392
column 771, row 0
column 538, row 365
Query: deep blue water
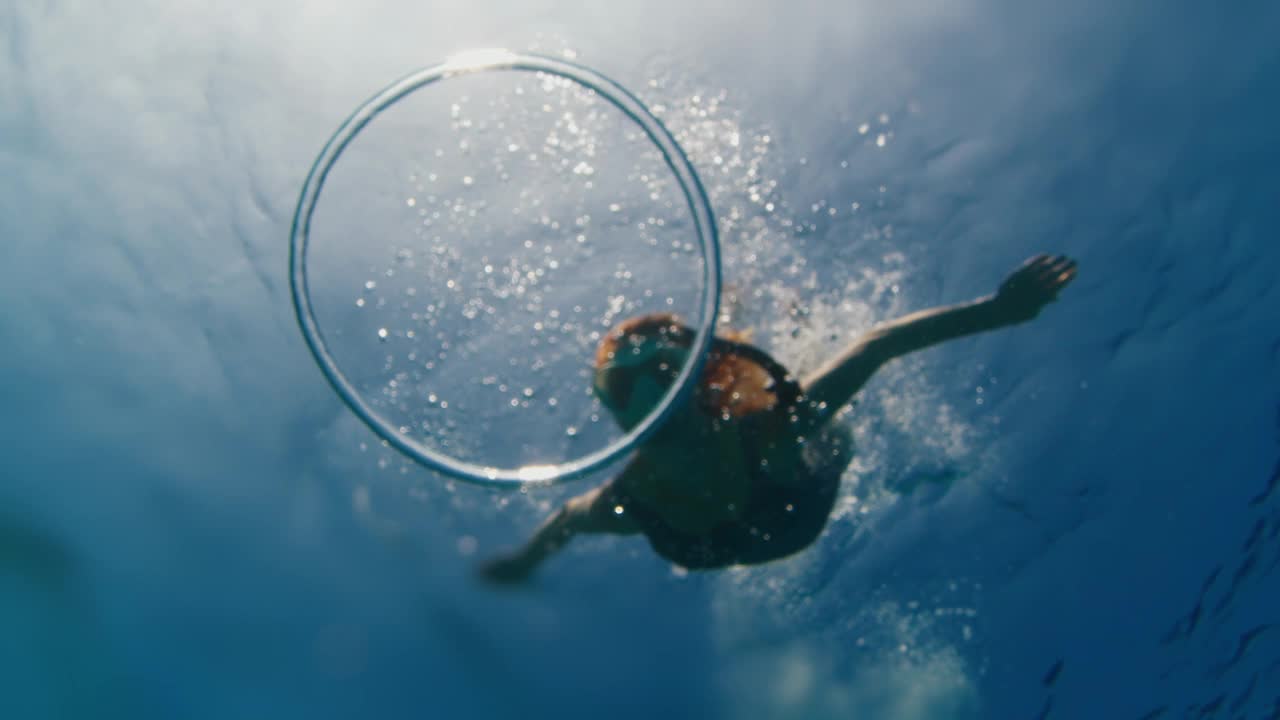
column 1074, row 518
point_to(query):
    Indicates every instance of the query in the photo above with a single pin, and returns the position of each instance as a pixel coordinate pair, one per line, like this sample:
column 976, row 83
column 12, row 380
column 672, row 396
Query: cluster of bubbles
column 807, row 275
column 527, row 217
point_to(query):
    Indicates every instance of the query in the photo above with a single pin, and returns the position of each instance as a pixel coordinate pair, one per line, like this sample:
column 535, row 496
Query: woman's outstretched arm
column 1020, row 298
column 590, row 512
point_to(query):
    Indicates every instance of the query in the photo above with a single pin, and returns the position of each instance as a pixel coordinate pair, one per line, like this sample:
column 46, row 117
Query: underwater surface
column 1078, row 517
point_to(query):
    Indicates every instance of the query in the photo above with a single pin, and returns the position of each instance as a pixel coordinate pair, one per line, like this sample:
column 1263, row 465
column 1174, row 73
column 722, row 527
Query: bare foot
column 1033, row 285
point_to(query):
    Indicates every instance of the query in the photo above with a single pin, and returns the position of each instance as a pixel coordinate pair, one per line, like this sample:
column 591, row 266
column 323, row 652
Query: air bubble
column 512, row 324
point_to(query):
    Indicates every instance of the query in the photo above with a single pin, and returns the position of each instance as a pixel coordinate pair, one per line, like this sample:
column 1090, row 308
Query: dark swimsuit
column 780, row 518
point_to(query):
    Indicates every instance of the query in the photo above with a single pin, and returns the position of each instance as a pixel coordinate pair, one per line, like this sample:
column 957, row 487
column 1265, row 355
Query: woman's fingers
column 1037, row 282
column 1035, row 263
column 1067, row 273
column 1054, row 272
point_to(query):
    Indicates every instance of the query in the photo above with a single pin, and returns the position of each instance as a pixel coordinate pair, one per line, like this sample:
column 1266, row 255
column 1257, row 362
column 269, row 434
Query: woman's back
column 733, row 478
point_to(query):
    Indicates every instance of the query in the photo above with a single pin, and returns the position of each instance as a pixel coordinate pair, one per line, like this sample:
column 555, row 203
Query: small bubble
column 382, row 333
column 467, row 545
column 571, row 431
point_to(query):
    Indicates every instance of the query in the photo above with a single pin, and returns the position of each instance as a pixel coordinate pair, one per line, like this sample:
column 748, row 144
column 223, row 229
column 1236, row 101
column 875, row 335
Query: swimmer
column 747, row 470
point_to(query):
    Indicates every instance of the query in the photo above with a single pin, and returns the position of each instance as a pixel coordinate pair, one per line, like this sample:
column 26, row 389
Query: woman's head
column 639, row 359
column 637, row 362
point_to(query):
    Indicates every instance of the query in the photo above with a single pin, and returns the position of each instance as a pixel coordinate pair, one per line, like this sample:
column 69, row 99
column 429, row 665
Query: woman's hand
column 1033, row 285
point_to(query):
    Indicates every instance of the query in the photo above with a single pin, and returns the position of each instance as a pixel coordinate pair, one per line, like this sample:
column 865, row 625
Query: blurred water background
column 1074, row 518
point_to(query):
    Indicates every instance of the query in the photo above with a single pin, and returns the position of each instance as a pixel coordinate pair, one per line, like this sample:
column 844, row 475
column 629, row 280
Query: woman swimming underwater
column 747, row 471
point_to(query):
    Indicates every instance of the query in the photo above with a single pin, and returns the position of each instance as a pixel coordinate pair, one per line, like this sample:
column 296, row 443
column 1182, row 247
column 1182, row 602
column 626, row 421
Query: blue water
column 191, row 525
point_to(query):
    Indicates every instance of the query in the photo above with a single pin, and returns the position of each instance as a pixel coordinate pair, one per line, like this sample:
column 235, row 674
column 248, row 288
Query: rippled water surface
column 1073, row 518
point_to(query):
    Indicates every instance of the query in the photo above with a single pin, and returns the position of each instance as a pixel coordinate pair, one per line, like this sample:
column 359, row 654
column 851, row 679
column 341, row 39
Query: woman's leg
column 1020, row 297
